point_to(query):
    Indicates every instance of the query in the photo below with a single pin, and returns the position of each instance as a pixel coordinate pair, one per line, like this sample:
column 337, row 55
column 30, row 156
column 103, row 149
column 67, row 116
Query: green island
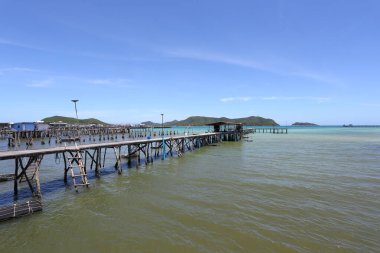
column 70, row 120
column 303, row 124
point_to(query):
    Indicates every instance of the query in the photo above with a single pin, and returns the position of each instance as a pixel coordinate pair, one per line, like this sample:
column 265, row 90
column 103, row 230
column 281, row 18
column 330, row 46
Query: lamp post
column 163, row 140
column 76, row 113
column 75, row 103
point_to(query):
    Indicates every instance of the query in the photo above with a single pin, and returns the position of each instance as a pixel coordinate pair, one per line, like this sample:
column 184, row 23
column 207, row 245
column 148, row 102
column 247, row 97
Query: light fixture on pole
column 163, row 140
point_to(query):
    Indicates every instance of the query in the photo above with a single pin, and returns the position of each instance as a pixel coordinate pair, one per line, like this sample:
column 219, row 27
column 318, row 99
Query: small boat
column 7, row 177
column 126, row 156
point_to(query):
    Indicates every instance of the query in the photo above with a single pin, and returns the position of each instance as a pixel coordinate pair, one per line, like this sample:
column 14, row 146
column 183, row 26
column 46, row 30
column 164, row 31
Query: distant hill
column 149, row 123
column 201, row 121
column 70, row 120
column 303, row 124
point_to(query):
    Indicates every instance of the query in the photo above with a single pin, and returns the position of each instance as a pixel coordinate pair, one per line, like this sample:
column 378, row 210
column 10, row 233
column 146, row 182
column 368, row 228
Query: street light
column 75, row 103
column 76, row 113
column 163, row 141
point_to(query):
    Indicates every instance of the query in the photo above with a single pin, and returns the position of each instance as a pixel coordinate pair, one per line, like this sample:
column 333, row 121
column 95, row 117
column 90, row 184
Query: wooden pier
column 79, row 158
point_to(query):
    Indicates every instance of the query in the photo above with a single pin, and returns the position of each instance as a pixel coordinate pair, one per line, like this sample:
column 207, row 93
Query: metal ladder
column 76, row 161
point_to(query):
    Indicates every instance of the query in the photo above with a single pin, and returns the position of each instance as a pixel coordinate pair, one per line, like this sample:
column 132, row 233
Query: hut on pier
column 232, row 131
column 222, row 126
column 27, row 130
column 29, row 126
column 23, row 126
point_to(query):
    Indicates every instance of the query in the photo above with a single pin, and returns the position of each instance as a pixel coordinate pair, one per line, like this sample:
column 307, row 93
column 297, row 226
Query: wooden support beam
column 23, row 171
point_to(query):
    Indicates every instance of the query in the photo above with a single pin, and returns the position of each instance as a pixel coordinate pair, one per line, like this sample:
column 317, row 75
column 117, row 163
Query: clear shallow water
column 312, row 190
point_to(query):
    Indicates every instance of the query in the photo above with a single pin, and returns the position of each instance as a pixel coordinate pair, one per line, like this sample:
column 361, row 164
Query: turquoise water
column 312, row 190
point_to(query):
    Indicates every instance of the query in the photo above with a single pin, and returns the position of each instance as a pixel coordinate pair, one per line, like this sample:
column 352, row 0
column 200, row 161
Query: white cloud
column 120, row 82
column 272, row 67
column 19, row 44
column 100, row 81
column 16, row 70
column 234, row 99
column 371, row 104
column 317, row 99
column 110, row 57
column 314, row 76
column 12, row 43
column 40, row 84
column 273, row 98
column 218, row 58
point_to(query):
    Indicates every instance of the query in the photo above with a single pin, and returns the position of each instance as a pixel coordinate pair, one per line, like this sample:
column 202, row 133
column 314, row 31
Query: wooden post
column 129, row 155
column 147, row 155
column 15, row 187
column 98, row 162
column 65, row 169
column 38, row 186
column 118, row 161
column 138, row 154
column 104, row 157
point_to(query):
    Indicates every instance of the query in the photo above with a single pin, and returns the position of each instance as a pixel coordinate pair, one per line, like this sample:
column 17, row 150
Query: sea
column 315, row 189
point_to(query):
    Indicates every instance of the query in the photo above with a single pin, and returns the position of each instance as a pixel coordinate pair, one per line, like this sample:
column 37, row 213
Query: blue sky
column 129, row 61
